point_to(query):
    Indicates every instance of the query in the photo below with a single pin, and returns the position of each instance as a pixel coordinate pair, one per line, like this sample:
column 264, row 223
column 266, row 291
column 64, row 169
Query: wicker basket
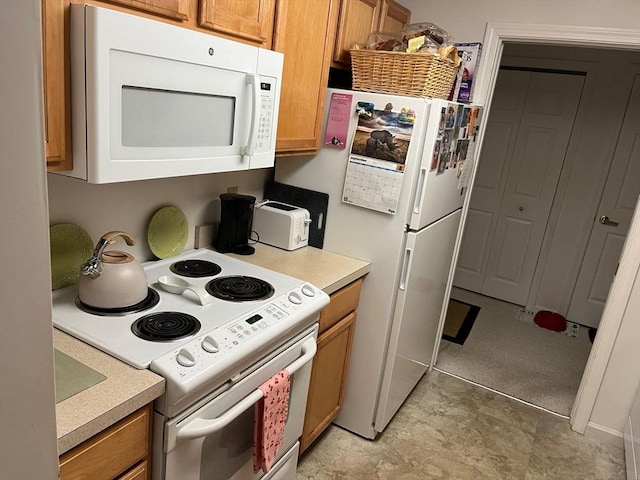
column 411, row 74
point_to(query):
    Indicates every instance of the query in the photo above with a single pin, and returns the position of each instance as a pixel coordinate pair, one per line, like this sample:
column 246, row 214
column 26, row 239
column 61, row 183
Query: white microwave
column 153, row 100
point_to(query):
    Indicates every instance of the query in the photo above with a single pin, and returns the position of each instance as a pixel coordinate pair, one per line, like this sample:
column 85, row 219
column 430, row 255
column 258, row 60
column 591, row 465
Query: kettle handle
column 93, row 267
column 111, row 237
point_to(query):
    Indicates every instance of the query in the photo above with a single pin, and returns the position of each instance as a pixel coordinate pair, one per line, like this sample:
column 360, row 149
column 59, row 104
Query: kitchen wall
column 466, row 20
column 129, row 206
column 615, row 397
column 28, row 447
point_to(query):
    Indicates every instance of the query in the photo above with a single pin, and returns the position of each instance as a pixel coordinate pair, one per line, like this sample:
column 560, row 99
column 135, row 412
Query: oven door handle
column 200, row 427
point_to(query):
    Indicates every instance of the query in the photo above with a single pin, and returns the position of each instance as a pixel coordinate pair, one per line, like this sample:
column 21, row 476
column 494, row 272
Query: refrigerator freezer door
column 437, row 194
column 417, row 317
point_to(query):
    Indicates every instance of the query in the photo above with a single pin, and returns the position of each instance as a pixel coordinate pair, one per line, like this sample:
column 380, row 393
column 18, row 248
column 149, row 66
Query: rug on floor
column 459, row 321
column 527, row 316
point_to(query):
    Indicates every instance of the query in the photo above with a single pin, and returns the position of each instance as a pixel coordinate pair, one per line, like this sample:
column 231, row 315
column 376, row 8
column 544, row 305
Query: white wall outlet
column 204, row 235
column 232, row 189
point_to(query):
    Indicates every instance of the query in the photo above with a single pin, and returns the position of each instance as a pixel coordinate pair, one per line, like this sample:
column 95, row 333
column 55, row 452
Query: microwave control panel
column 265, row 128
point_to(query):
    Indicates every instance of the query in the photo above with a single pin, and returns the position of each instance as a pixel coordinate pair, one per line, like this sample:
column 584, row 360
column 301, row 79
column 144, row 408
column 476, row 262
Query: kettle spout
column 92, row 268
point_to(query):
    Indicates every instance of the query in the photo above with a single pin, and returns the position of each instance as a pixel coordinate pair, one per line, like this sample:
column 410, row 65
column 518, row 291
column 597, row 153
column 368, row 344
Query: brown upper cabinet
column 57, row 107
column 305, row 33
column 359, row 18
column 175, row 9
column 248, row 20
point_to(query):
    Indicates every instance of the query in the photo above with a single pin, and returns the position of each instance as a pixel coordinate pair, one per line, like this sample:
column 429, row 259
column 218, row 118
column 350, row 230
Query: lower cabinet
column 331, row 363
column 120, row 452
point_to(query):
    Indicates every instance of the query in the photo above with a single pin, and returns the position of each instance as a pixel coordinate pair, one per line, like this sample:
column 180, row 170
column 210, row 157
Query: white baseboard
column 604, row 434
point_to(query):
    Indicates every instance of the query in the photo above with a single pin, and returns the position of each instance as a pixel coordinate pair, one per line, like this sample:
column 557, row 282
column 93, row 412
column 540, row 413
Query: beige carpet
column 517, row 358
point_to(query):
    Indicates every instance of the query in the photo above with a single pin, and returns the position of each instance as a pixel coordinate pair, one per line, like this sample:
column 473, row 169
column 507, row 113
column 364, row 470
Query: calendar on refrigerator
column 373, row 184
column 376, row 164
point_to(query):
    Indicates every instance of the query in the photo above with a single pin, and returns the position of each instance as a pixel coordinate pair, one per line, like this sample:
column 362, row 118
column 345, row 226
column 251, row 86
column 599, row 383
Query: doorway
column 497, row 36
column 485, row 266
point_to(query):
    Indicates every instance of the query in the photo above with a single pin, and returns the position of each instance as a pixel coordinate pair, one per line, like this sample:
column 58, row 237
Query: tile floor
column 451, row 429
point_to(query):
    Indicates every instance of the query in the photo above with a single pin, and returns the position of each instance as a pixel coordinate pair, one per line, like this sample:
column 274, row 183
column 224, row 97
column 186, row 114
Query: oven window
column 168, row 118
column 225, row 455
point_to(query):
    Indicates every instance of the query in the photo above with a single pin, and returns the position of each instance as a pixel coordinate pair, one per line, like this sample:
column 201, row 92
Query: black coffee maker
column 236, row 219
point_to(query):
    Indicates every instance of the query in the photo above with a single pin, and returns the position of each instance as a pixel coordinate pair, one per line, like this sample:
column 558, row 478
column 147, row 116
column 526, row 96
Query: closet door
column 488, row 189
column 524, row 175
column 607, row 237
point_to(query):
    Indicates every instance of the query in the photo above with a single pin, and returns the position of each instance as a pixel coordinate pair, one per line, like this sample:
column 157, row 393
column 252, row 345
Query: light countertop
column 127, row 389
column 326, row 270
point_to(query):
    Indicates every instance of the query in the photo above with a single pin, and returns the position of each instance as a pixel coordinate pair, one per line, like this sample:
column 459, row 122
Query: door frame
column 496, row 35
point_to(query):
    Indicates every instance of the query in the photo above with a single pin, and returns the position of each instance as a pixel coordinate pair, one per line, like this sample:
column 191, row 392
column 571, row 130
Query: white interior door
column 488, row 188
column 607, row 237
column 514, row 227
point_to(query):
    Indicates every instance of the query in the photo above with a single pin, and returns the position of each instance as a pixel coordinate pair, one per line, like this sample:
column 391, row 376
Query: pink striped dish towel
column 270, row 420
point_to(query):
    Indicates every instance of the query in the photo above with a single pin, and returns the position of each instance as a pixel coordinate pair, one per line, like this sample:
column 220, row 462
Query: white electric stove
column 215, row 341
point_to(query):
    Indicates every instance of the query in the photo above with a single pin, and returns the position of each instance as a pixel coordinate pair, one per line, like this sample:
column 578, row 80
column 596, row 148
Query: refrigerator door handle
column 406, row 269
column 420, row 193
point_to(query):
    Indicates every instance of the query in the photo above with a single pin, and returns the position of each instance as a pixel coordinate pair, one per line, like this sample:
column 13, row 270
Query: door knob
column 604, row 220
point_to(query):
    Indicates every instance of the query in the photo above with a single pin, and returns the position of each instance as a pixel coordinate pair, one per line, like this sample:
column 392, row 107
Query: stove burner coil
column 239, row 288
column 165, row 326
column 152, row 299
column 195, row 268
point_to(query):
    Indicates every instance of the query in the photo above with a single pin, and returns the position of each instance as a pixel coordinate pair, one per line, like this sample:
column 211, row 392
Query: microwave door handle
column 252, row 141
column 200, row 427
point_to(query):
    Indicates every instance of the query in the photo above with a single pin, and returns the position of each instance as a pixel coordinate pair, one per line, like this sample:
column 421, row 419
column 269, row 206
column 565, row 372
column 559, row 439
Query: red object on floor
column 550, row 321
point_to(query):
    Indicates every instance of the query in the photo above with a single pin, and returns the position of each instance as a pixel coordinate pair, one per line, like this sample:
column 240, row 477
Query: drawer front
column 111, row 452
column 343, row 302
column 139, row 472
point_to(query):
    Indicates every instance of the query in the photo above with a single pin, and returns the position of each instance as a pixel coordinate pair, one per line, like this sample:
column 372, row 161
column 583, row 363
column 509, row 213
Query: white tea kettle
column 112, row 279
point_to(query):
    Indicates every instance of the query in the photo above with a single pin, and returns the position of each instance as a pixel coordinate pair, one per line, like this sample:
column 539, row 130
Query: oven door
column 215, row 442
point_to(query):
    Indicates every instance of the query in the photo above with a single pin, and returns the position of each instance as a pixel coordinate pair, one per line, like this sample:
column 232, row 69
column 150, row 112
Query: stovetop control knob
column 308, row 290
column 294, row 297
column 210, row 344
column 186, row 358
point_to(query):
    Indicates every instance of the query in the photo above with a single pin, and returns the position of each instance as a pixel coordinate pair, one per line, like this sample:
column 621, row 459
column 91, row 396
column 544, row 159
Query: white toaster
column 282, row 225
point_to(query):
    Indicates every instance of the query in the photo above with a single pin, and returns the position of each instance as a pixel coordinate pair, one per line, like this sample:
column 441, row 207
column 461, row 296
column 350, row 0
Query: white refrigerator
column 393, row 167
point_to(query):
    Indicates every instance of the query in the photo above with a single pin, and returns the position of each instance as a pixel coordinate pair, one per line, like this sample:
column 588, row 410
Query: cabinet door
column 304, row 32
column 250, row 20
column 358, row 18
column 393, row 16
column 57, row 106
column 176, row 9
column 111, row 452
column 328, row 376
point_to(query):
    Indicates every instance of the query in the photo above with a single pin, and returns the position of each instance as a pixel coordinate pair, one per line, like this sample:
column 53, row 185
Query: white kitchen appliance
column 281, row 225
column 213, row 355
column 152, row 100
column 403, row 216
